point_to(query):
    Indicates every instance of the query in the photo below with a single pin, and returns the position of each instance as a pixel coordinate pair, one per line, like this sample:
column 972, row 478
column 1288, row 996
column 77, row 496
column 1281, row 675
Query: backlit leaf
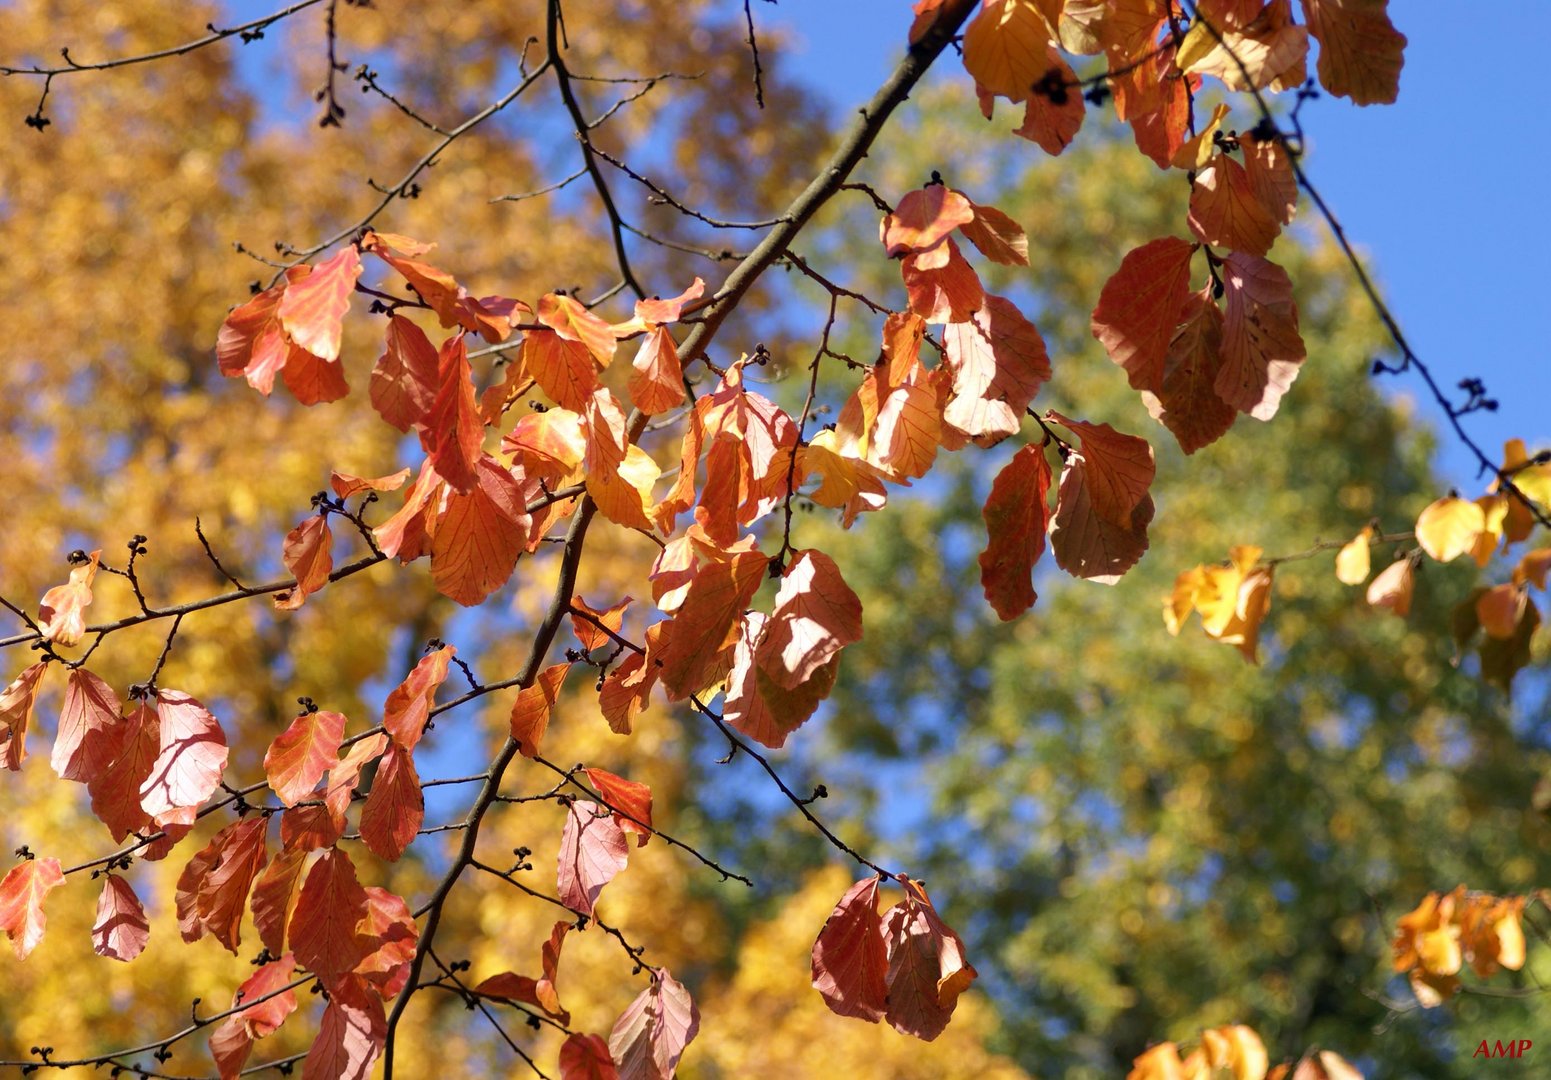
column 1016, row 515
column 91, row 731
column 301, row 754
column 394, row 807
column 1360, row 51
column 923, row 219
column 190, row 761
column 850, row 959
column 308, row 554
column 61, row 613
column 650, row 1035
column 1141, row 305
column 593, row 849
column 22, row 892
column 531, row 710
column 323, row 924
column 1448, row 527
column 16, row 702
column 121, row 929
column 1262, row 348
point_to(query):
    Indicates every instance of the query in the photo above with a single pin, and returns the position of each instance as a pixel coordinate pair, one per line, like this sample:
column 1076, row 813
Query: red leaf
column 630, row 800
column 530, row 712
column 650, row 1035
column 625, row 691
column 309, row 556
column 302, row 753
column 567, row 317
column 16, row 702
column 314, row 381
column 323, row 926
column 586, row 1057
column 21, row 902
column 1154, row 97
column 1053, row 110
column 394, row 807
column 942, row 286
column 346, row 485
column 1262, row 348
column 540, row 992
column 455, row 432
column 312, row 309
column 1186, row 401
column 91, row 732
column 115, row 791
column 121, row 929
column 816, row 615
column 405, row 380
column 232, row 1041
column 1087, row 545
column 1016, row 515
column 409, row 705
column 406, row 534
column 849, row 957
column 309, row 827
column 351, row 1035
column 760, row 707
column 61, row 613
column 711, row 608
column 927, row 969
column 480, row 536
column 186, row 899
column 923, row 219
column 189, row 764
column 390, row 926
column 275, row 893
column 593, row 849
column 1140, row 306
column 223, row 895
column 1120, row 469
column 1225, row 212
column 999, row 362
column 657, row 379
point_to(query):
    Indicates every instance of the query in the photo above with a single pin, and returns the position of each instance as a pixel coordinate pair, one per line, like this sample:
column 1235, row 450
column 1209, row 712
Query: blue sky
column 1444, row 192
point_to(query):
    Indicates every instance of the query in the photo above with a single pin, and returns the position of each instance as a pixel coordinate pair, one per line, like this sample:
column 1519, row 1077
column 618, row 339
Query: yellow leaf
column 1198, row 149
column 1352, row 562
column 1448, row 528
column 1238, row 1049
column 1392, row 588
column 1005, row 47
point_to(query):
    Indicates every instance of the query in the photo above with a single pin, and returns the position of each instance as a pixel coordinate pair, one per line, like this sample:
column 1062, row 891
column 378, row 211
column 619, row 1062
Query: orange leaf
column 586, row 1057
column 394, row 807
column 223, row 891
column 1271, row 176
column 923, row 219
column 657, row 310
column 816, row 615
column 346, row 485
column 344, row 779
column 1268, row 51
column 1532, row 568
column 631, row 802
column 480, row 536
column 1141, row 305
column 408, row 707
column 301, row 754
column 997, row 236
column 312, row 310
column 1006, row 47
column 1054, row 109
column 567, row 317
column 999, row 362
column 1016, row 515
column 1225, row 211
column 657, row 380
column 312, row 380
column 351, row 1034
column 454, row 433
column 252, row 343
column 550, row 445
column 1360, row 51
column 16, row 702
column 588, row 633
column 61, row 613
column 942, row 286
column 758, row 706
column 1154, row 98
column 492, row 317
column 1261, row 344
column 564, row 369
column 711, row 608
column 1500, row 608
column 309, row 556
column 22, row 893
column 405, row 379
column 530, row 712
column 121, row 929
